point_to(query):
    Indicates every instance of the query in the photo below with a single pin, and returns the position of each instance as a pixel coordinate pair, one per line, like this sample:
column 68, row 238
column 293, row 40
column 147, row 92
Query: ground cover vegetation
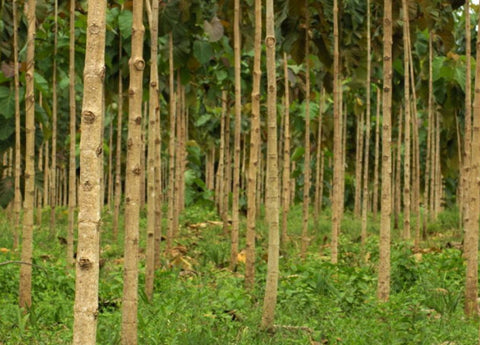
column 197, row 300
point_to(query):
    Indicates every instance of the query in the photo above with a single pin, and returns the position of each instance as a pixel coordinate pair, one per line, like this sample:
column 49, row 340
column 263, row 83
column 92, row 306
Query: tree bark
column 18, row 155
column 25, row 293
column 254, row 151
column 306, row 166
column 383, row 290
column 286, row 154
column 91, row 170
column 337, row 142
column 132, row 180
column 272, row 202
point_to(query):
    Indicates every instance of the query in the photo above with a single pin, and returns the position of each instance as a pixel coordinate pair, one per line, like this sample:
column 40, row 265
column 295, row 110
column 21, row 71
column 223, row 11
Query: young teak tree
column 90, row 198
column 25, row 293
column 132, row 181
column 271, row 200
column 236, row 145
column 254, row 151
column 383, row 289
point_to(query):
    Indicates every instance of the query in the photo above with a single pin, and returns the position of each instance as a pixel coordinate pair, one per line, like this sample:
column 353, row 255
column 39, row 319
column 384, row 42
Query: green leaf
column 202, row 120
column 7, row 102
column 41, row 83
column 298, row 153
column 202, row 51
column 125, row 24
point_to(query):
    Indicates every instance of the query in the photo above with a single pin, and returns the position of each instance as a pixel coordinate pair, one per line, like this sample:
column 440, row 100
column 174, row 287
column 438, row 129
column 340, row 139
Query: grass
column 205, row 303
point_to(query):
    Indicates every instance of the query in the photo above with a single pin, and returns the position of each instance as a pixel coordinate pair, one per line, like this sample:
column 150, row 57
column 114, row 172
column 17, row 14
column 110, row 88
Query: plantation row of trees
column 366, row 106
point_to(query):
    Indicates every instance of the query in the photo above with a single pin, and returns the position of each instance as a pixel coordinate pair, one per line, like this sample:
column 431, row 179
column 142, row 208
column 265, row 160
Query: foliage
column 207, row 304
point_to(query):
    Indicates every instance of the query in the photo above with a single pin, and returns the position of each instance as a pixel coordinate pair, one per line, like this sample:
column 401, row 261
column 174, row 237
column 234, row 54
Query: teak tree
column 383, row 289
column 132, row 180
column 90, row 199
column 271, row 199
column 25, row 293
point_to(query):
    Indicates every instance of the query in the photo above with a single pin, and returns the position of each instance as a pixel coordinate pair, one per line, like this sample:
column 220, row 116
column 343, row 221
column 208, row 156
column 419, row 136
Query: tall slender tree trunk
column 110, row 168
column 171, row 149
column 383, row 290
column 377, row 154
column 221, row 160
column 337, row 142
column 25, row 293
column 471, row 209
column 306, row 166
column 91, row 170
column 17, row 206
column 132, row 181
column 271, row 199
column 286, row 154
column 53, row 170
column 365, row 196
column 407, row 158
column 254, row 151
column 228, row 164
column 359, row 165
column 72, row 163
column 154, row 108
column 319, row 161
column 236, row 147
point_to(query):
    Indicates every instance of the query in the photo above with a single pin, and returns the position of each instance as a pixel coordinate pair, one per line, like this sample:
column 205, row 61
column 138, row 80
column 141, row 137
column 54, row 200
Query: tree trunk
column 407, row 158
column 17, row 206
column 154, row 108
column 53, row 170
column 366, row 169
column 25, row 293
column 383, row 290
column 133, row 180
column 91, row 170
column 270, row 299
column 377, row 154
column 306, row 165
column 171, row 150
column 319, row 162
column 254, row 151
column 471, row 209
column 228, row 164
column 337, row 142
column 236, row 156
column 286, row 154
column 118, row 153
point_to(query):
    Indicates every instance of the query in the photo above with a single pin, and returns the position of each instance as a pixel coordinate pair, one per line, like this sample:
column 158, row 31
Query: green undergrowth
column 198, row 300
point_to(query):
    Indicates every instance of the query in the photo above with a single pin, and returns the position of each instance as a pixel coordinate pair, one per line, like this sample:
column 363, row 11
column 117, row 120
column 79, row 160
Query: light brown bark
column 25, row 293
column 337, row 201
column 154, row 108
column 118, row 153
column 377, row 154
column 17, row 203
column 236, row 145
column 383, row 290
column 254, row 151
column 53, row 170
column 272, row 202
column 306, row 165
column 171, row 149
column 366, row 169
column 286, row 155
column 133, row 180
column 91, row 170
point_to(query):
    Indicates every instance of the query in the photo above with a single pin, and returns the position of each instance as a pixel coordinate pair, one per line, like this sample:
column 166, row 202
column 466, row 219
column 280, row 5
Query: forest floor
column 199, row 301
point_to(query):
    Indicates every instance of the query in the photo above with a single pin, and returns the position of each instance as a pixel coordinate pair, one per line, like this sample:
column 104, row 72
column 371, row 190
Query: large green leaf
column 7, row 102
column 125, row 24
column 202, row 51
